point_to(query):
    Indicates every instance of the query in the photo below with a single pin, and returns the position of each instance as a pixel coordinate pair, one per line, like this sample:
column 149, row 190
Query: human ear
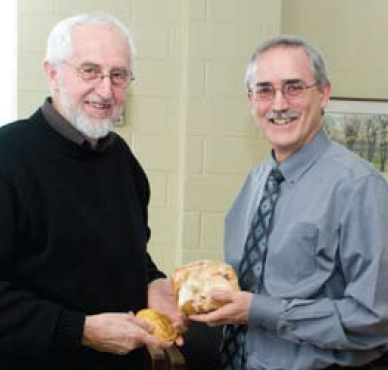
column 52, row 75
column 326, row 92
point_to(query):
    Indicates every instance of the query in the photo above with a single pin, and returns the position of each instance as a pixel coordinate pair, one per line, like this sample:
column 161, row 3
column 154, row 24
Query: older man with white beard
column 73, row 215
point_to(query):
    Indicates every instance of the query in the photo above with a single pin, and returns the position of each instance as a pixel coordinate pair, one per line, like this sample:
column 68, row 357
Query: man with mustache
column 73, row 215
column 314, row 294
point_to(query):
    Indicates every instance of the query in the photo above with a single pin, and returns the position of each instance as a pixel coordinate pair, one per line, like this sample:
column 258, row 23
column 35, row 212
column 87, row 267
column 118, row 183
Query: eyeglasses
column 293, row 89
column 119, row 77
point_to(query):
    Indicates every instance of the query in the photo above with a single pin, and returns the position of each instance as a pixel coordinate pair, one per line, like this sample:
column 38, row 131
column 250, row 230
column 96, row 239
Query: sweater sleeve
column 153, row 272
column 143, row 190
column 29, row 325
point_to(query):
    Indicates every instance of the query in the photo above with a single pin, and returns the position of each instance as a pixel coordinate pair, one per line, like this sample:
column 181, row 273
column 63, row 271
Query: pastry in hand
column 194, row 281
column 163, row 327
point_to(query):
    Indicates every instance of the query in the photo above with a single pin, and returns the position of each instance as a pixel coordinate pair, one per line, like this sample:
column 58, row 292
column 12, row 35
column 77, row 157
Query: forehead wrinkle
column 280, row 63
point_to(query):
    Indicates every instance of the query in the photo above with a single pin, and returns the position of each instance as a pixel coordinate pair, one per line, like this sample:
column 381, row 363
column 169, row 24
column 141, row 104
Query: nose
column 104, row 87
column 279, row 102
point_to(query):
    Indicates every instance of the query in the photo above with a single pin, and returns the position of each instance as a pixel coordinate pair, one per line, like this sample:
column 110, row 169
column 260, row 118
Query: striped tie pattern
column 251, row 267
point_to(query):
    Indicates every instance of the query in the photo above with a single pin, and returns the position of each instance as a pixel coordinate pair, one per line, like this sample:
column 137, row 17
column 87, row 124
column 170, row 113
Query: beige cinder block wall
column 221, row 141
column 352, row 36
column 187, row 117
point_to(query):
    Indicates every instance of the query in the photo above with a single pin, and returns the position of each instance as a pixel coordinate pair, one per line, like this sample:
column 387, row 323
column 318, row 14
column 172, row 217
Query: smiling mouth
column 282, row 122
column 98, row 105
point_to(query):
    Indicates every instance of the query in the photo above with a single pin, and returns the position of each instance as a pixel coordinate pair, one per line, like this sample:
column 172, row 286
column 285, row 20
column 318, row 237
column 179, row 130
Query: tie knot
column 277, row 175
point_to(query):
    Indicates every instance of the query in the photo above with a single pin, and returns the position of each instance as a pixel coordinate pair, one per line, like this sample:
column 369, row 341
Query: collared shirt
column 64, row 128
column 323, row 293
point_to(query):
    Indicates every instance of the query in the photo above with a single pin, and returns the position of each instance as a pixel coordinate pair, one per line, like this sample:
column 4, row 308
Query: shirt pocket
column 292, row 259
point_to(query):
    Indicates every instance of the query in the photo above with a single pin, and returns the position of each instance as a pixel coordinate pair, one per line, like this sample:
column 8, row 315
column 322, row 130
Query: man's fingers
column 145, row 325
column 207, row 317
column 220, row 316
column 153, row 341
column 179, row 341
column 222, row 295
column 145, row 334
column 180, row 323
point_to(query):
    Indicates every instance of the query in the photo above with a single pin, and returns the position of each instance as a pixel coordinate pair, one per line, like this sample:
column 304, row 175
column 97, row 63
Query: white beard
column 91, row 128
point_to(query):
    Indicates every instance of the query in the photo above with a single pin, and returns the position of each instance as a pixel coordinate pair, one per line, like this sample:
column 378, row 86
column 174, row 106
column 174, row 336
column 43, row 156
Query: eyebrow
column 293, row 80
column 267, row 83
column 89, row 64
column 96, row 65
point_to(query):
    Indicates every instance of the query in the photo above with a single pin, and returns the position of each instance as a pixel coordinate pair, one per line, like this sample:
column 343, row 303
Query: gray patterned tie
column 251, row 268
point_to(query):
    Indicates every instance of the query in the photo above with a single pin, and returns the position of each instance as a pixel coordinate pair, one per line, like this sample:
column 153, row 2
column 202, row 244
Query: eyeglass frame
column 101, row 75
column 303, row 84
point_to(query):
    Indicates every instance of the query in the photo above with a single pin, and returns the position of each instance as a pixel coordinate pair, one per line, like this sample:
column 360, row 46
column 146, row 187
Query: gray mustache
column 281, row 115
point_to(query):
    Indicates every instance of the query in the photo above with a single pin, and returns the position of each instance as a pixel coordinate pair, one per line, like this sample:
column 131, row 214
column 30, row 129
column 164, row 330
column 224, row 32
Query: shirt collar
column 299, row 163
column 64, row 128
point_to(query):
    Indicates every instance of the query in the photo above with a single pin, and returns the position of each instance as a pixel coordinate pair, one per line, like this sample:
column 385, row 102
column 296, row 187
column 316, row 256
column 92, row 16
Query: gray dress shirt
column 323, row 294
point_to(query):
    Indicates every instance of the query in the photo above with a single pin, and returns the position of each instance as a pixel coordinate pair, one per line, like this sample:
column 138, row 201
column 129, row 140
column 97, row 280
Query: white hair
column 59, row 43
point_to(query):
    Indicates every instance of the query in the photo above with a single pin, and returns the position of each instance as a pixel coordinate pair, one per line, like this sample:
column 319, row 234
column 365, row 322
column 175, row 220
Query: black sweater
column 73, row 235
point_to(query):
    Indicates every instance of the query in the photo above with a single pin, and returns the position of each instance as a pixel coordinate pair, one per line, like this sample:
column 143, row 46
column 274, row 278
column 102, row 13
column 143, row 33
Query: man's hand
column 119, row 333
column 161, row 298
column 235, row 310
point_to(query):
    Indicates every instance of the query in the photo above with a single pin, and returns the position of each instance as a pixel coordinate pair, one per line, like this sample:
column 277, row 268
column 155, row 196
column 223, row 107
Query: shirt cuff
column 266, row 311
column 69, row 331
